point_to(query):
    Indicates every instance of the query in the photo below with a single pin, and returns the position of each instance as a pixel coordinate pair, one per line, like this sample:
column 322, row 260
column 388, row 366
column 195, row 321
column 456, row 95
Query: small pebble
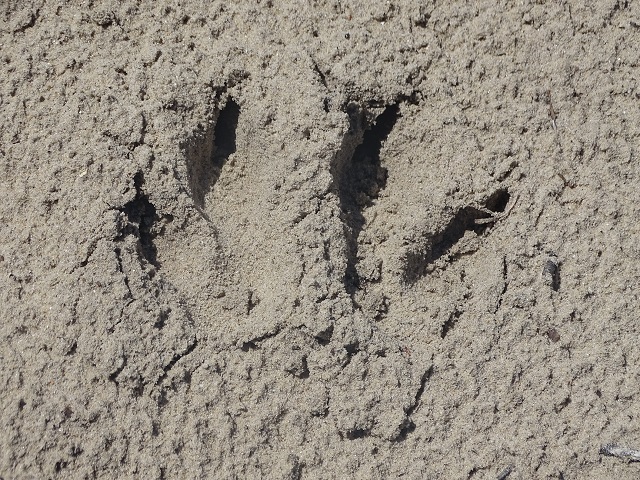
column 553, row 335
column 551, row 273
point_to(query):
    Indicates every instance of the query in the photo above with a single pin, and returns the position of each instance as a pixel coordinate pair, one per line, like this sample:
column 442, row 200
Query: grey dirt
column 319, row 239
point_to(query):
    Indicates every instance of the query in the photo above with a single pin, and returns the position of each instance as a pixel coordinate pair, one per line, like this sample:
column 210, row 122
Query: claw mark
column 360, row 179
column 141, row 214
column 496, row 215
column 475, row 218
column 207, row 155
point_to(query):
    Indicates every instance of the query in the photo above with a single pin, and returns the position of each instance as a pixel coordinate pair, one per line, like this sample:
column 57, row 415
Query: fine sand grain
column 319, row 239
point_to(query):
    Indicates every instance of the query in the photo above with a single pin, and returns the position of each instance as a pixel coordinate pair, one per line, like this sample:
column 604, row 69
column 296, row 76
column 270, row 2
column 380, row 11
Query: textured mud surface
column 319, row 239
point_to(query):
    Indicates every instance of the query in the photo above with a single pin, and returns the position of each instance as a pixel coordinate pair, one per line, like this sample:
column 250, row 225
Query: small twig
column 505, row 473
column 613, row 450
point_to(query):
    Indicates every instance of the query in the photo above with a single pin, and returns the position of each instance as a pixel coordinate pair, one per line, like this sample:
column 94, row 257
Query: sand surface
column 319, row 239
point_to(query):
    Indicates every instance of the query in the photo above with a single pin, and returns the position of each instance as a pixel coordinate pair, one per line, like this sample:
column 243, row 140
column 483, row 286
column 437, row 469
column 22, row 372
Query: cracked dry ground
column 312, row 240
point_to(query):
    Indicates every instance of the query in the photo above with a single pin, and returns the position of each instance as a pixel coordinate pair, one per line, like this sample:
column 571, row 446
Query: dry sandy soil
column 319, row 239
